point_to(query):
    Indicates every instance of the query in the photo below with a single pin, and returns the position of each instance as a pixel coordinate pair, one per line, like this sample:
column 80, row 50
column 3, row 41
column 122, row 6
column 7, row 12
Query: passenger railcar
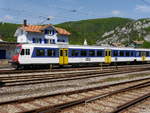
column 45, row 54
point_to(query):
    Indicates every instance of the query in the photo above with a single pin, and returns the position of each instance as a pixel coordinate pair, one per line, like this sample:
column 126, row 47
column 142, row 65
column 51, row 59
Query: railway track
column 58, row 69
column 31, row 78
column 105, row 67
column 142, row 106
column 111, row 102
column 123, row 107
column 66, row 101
column 62, row 76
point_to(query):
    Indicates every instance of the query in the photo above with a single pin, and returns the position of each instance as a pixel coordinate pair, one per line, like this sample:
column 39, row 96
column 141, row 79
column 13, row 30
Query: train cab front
column 15, row 57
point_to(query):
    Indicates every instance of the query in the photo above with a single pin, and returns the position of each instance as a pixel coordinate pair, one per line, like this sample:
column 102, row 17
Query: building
column 44, row 34
column 7, row 50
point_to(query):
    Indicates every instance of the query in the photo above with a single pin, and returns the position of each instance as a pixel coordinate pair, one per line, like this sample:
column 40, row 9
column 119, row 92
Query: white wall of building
column 52, row 38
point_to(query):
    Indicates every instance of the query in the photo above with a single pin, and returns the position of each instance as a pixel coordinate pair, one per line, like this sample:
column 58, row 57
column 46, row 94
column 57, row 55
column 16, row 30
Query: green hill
column 91, row 30
column 137, row 30
column 7, row 31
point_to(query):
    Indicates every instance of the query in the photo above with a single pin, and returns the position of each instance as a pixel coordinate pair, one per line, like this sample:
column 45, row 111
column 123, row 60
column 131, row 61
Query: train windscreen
column 17, row 50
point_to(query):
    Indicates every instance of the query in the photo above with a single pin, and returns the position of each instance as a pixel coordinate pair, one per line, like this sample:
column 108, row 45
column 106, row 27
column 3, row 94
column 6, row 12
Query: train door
column 63, row 56
column 108, row 56
column 143, row 54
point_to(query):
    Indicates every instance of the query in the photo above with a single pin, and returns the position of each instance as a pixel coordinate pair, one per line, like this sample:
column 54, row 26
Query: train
column 32, row 55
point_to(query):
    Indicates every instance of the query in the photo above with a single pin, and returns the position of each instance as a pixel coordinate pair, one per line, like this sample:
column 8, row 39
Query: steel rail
column 66, row 68
column 59, row 107
column 130, row 103
column 47, row 80
column 70, row 92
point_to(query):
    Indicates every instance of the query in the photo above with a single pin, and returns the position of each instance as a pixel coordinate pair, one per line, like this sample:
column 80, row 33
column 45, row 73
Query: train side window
column 22, row 51
column 99, row 53
column 131, row 53
column 140, row 53
column 109, row 53
column 83, row 53
column 40, row 52
column 144, row 53
column 51, row 52
column 137, row 53
column 121, row 53
column 106, row 53
column 61, row 52
column 27, row 51
column 147, row 53
column 75, row 53
column 115, row 53
column 65, row 52
column 127, row 53
column 91, row 53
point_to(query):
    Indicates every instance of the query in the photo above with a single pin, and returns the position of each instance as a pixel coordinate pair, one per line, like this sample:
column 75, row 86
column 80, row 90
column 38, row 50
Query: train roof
column 81, row 46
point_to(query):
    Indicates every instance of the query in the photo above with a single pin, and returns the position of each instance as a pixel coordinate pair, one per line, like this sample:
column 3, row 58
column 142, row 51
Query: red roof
column 62, row 31
column 39, row 28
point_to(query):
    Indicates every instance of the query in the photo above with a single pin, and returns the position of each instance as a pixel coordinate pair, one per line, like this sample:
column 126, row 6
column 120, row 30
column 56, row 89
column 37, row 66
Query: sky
column 59, row 11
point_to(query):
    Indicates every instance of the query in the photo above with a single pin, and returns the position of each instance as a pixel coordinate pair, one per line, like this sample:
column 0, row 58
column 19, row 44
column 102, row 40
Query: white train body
column 38, row 54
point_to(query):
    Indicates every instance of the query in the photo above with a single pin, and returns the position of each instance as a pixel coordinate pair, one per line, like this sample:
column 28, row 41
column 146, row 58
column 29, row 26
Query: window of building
column 53, row 41
column 40, row 52
column 40, row 40
column 53, row 32
column 37, row 40
column 99, row 53
column 83, row 53
column 46, row 31
column 33, row 40
column 45, row 41
column 21, row 32
column 50, row 32
column 92, row 53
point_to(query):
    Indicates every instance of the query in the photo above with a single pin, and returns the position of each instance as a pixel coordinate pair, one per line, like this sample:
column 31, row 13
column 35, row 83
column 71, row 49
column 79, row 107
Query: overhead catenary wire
column 24, row 14
column 73, row 11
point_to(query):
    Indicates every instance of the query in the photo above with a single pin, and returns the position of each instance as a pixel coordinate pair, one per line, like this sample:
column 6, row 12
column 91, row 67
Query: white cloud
column 8, row 17
column 143, row 8
column 116, row 12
